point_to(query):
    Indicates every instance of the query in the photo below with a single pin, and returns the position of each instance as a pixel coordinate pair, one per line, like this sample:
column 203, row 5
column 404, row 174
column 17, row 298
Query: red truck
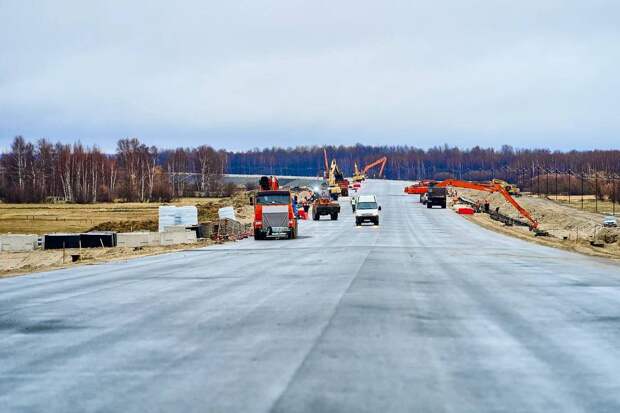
column 273, row 211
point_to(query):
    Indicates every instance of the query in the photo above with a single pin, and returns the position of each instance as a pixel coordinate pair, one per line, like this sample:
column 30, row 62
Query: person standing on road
column 295, row 210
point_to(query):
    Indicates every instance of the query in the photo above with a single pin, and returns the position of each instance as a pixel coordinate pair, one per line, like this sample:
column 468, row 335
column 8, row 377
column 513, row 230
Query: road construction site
column 427, row 311
column 568, row 228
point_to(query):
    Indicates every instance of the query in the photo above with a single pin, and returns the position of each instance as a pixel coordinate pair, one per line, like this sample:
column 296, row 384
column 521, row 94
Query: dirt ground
column 122, row 217
column 569, row 228
column 16, row 263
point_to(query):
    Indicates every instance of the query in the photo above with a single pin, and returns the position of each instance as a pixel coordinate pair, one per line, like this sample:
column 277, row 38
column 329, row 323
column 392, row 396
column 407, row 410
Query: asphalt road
column 426, row 313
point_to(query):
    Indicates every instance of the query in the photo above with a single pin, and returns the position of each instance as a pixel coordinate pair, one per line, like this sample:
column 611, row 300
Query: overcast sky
column 244, row 74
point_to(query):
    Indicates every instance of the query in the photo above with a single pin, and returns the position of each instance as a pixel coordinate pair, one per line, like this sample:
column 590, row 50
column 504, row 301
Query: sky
column 244, row 74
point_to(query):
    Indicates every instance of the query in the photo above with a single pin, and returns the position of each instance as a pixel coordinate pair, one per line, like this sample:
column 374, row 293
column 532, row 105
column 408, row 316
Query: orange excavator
column 381, row 161
column 420, row 187
column 490, row 187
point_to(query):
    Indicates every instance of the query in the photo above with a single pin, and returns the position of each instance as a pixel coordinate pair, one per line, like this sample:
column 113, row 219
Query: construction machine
column 436, row 195
column 381, row 161
column 490, row 187
column 358, row 176
column 273, row 211
column 338, row 185
column 510, row 188
column 324, row 204
column 419, row 187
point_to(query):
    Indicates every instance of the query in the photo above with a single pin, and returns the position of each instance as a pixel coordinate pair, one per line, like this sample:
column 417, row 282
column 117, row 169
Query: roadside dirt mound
column 126, row 226
column 569, row 228
column 15, row 263
column 208, row 211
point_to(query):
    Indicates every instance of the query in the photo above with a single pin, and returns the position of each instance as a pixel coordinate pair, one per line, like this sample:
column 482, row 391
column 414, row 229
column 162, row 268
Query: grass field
column 47, row 218
column 590, row 204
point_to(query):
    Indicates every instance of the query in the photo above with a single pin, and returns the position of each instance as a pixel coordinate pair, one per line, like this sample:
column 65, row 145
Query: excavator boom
column 491, row 188
column 381, row 161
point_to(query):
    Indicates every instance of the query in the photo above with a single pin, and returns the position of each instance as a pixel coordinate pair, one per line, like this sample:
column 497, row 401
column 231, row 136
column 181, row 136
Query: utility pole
column 569, row 178
column 613, row 201
column 595, row 192
column 556, row 184
column 582, row 178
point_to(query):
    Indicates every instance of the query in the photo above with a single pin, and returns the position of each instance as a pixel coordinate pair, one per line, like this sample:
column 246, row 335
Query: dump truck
column 323, row 204
column 436, row 196
column 273, row 211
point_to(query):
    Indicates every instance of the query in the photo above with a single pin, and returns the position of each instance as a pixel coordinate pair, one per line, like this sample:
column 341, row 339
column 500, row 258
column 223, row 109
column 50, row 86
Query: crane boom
column 491, row 188
column 325, row 159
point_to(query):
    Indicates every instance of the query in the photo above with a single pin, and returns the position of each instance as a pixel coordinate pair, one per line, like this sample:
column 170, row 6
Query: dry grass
column 48, row 218
column 590, row 205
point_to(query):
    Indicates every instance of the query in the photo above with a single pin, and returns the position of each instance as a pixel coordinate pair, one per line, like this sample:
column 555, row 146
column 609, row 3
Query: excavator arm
column 491, row 188
column 381, row 161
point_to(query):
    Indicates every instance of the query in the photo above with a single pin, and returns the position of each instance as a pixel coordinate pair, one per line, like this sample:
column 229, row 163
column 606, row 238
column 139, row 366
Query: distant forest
column 595, row 172
column 43, row 171
column 34, row 172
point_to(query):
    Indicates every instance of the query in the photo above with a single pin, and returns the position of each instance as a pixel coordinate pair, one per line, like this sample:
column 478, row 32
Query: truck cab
column 273, row 215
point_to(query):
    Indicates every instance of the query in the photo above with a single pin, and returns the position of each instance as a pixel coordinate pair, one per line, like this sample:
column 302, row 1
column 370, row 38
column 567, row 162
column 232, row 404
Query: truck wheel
column 429, row 205
column 443, row 206
column 315, row 217
column 334, row 217
column 293, row 233
column 377, row 221
column 358, row 222
column 259, row 235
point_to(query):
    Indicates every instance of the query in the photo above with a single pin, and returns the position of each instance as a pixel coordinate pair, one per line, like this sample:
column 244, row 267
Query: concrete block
column 174, row 238
column 175, row 228
column 18, row 242
column 137, row 239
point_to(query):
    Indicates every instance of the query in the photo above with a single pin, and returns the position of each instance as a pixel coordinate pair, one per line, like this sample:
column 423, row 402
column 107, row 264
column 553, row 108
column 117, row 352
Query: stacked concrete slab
column 145, row 239
column 170, row 215
column 18, row 242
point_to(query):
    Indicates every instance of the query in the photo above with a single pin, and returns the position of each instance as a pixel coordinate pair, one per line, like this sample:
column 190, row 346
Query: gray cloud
column 257, row 73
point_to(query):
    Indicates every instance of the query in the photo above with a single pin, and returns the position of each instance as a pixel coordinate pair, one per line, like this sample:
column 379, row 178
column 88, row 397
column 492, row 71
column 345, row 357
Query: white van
column 367, row 209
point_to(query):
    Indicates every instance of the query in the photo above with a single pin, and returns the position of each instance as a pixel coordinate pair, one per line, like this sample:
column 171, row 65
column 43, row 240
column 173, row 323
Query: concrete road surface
column 426, row 313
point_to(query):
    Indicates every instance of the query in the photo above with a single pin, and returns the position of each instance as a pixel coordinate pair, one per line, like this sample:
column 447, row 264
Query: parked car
column 610, row 221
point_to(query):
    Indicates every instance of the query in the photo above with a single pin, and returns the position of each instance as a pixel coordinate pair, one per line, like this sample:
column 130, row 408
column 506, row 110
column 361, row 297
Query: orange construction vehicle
column 420, row 187
column 490, row 187
column 273, row 211
column 381, row 161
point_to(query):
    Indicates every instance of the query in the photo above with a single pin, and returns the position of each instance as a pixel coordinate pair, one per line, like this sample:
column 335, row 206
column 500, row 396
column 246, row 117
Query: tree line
column 533, row 169
column 39, row 171
column 43, row 171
